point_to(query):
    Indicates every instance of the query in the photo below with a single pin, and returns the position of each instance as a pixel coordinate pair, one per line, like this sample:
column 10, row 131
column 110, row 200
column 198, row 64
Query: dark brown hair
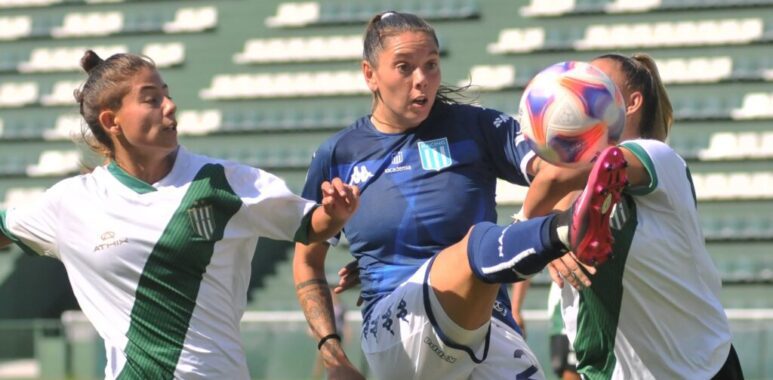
column 642, row 75
column 107, row 83
column 391, row 23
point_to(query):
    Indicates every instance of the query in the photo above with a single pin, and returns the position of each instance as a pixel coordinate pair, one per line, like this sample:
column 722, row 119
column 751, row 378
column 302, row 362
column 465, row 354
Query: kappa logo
column 435, row 154
column 109, row 240
column 202, row 218
column 501, row 119
column 360, row 175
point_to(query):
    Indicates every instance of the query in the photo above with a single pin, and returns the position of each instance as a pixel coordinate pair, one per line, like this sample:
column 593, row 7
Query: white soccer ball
column 570, row 111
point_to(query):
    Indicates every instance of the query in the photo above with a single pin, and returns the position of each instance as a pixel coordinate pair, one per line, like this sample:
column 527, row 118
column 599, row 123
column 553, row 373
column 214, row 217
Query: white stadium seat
column 20, row 94
column 518, row 40
column 294, row 15
column 510, row 194
column 20, row 196
column 66, row 127
column 55, row 162
column 491, row 77
column 78, row 24
column 547, row 8
column 192, row 20
column 165, row 54
column 61, row 94
column 199, row 122
column 15, row 27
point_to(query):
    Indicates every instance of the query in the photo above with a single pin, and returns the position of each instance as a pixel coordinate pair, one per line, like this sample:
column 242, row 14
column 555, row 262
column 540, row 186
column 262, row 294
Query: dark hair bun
column 90, row 60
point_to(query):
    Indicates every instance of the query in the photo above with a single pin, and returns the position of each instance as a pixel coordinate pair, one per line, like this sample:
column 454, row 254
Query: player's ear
column 109, row 121
column 370, row 78
column 634, row 103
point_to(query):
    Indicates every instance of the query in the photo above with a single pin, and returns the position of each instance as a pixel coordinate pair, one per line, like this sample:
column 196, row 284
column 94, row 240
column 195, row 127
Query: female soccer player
column 653, row 310
column 427, row 169
column 157, row 243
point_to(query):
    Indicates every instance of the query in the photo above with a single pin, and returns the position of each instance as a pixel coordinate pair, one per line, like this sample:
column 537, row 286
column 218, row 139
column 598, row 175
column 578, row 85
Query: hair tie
column 326, row 338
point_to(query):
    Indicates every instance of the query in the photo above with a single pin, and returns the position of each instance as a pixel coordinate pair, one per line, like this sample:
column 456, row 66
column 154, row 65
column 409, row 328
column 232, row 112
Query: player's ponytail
column 107, row 83
column 641, row 74
column 662, row 113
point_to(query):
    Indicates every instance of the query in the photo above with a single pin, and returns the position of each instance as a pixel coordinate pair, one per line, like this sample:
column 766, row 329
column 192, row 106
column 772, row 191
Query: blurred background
column 265, row 81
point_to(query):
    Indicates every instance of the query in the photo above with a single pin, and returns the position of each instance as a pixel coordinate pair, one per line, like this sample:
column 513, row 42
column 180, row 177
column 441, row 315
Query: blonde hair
column 641, row 73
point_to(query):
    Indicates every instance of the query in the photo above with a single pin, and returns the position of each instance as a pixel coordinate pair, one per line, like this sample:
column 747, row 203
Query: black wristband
column 326, row 338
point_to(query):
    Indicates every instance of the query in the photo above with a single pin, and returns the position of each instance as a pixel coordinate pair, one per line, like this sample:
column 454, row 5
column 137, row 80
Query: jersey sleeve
column 319, row 171
column 509, row 152
column 269, row 207
column 670, row 179
column 32, row 227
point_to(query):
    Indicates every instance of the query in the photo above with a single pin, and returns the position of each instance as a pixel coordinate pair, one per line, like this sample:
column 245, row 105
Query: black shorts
column 732, row 368
column 562, row 356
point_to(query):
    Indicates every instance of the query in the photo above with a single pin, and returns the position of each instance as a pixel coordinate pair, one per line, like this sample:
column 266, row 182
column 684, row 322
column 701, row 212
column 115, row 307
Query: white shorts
column 401, row 341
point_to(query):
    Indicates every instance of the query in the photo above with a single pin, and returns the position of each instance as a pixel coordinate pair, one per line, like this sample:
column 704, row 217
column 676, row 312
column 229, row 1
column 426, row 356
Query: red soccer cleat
column 589, row 235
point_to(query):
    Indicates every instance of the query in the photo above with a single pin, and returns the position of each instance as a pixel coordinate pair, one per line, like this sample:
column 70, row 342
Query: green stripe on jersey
column 169, row 285
column 599, row 309
column 130, row 181
column 7, row 233
column 646, row 161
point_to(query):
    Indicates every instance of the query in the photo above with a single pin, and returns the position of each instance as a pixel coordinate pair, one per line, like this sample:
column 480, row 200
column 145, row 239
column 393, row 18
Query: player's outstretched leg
column 589, row 236
column 504, row 254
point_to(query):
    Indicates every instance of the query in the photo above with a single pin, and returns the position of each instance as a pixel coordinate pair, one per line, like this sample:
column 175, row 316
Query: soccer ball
column 570, row 111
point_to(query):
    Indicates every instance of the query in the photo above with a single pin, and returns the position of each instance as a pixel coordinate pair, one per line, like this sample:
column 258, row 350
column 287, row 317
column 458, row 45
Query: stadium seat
column 55, row 162
column 165, row 54
column 61, row 94
column 20, row 94
column 199, row 122
column 67, row 126
column 15, row 27
column 538, row 8
column 294, row 15
column 491, row 77
column 192, row 20
column 755, row 105
column 78, row 24
column 627, row 6
column 518, row 41
column 17, row 196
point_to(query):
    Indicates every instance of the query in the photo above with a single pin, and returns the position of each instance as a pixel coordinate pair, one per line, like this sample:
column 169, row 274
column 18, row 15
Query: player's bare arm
column 637, row 174
column 313, row 293
column 550, row 185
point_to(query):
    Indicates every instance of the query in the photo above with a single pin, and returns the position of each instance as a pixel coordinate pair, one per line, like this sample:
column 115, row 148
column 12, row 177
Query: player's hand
column 339, row 199
column 348, row 277
column 568, row 268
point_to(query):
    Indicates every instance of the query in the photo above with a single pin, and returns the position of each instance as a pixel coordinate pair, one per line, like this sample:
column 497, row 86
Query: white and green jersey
column 653, row 310
column 162, row 270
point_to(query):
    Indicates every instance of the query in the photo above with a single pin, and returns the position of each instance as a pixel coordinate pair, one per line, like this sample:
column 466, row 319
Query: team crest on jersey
column 435, row 154
column 397, row 158
column 202, row 218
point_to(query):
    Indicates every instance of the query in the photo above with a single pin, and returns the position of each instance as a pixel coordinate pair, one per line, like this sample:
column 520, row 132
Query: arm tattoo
column 317, row 305
column 313, row 281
